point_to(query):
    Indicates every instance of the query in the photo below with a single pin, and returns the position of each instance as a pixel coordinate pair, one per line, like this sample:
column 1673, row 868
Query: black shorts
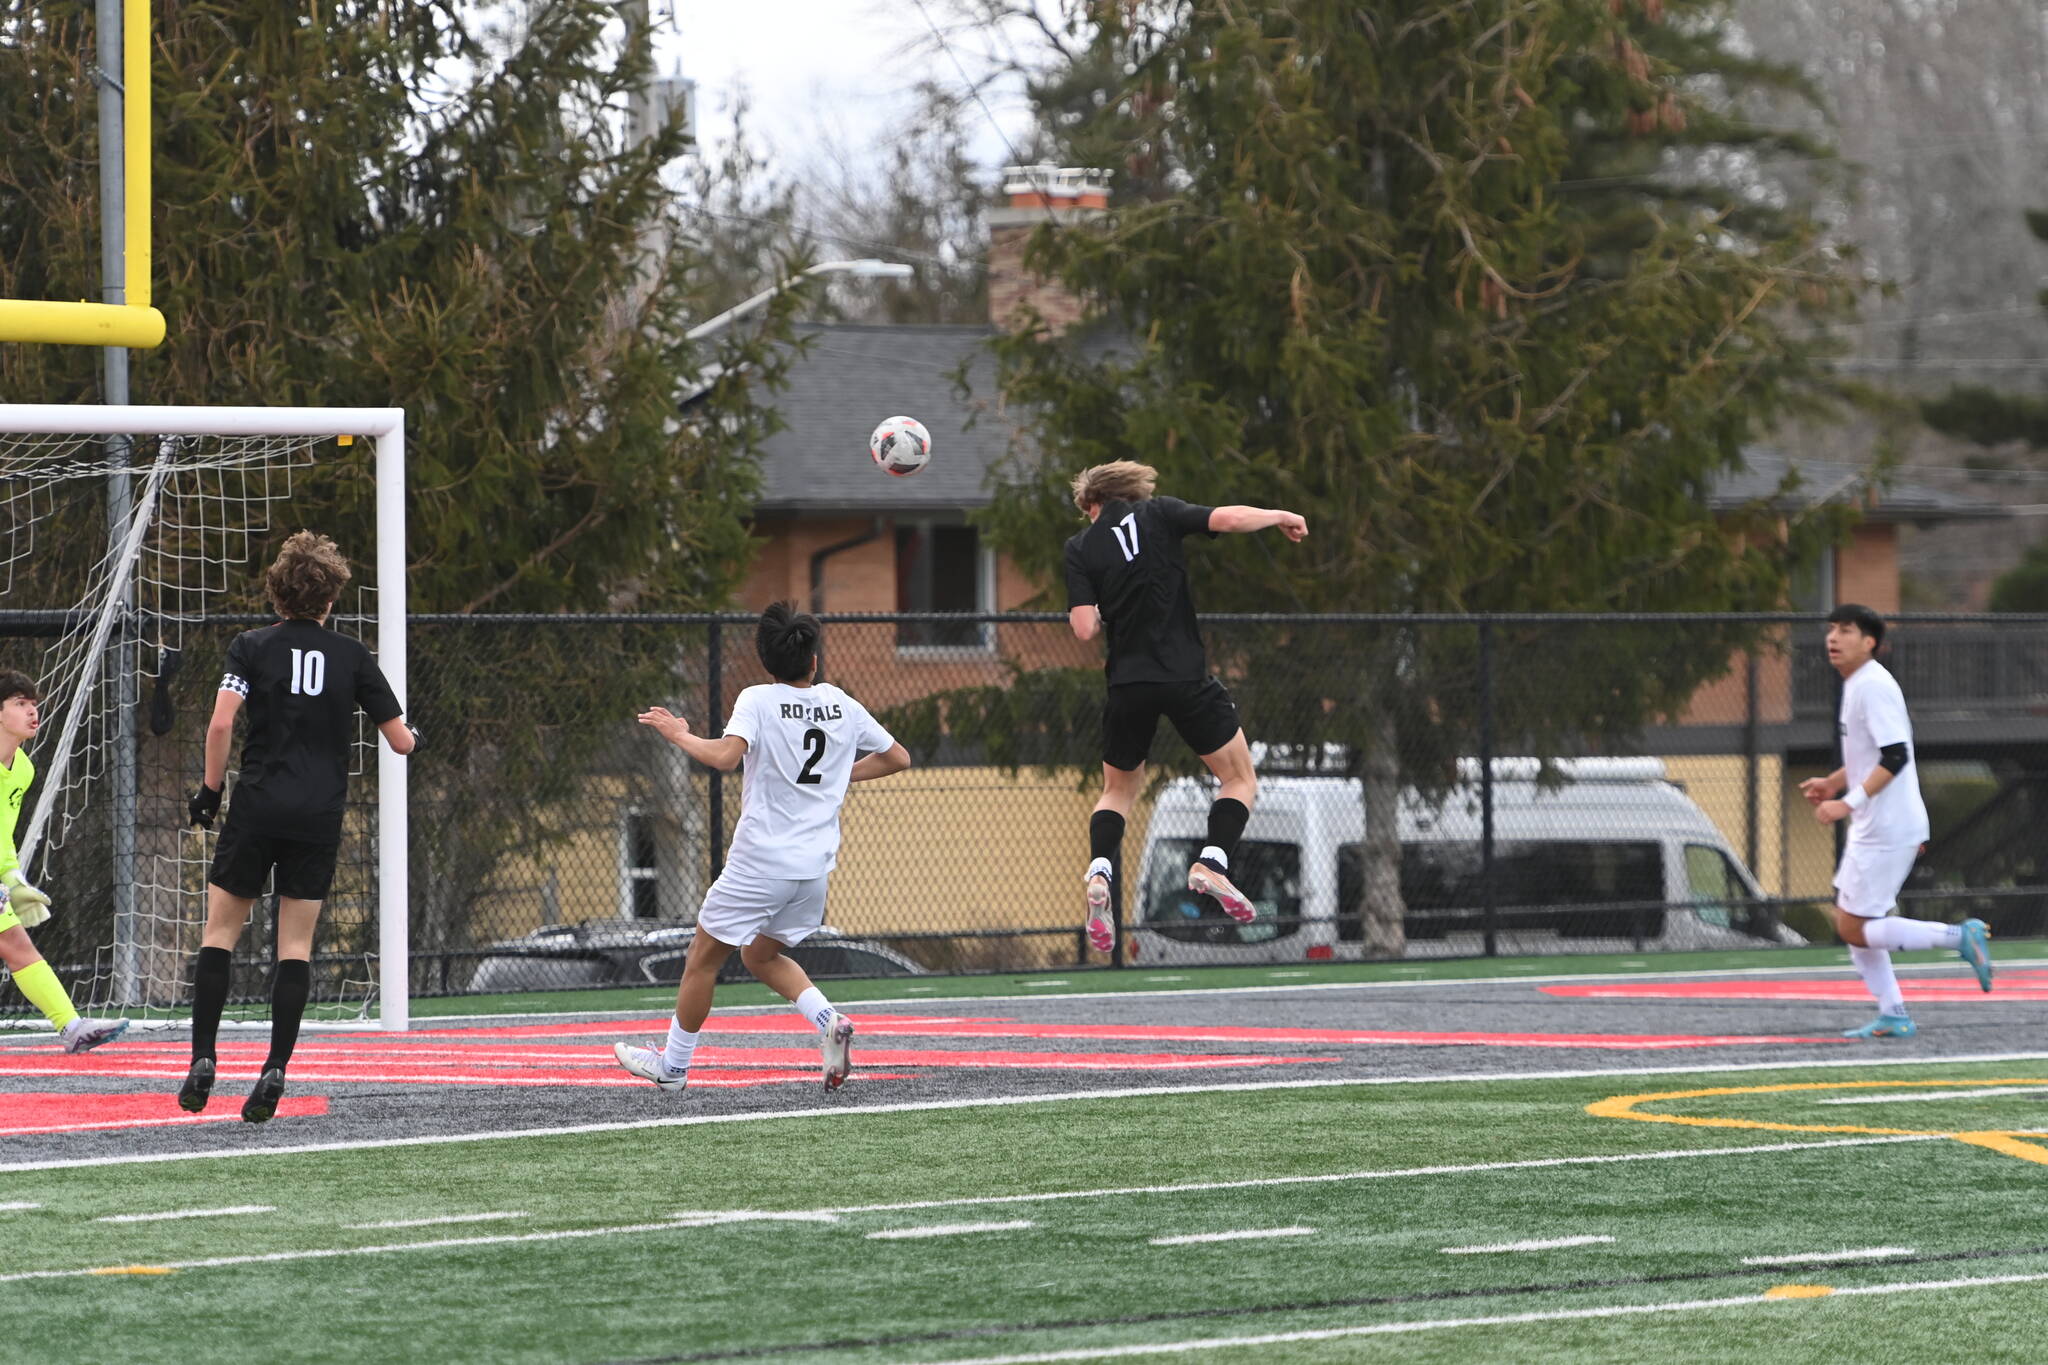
column 1202, row 712
column 243, row 858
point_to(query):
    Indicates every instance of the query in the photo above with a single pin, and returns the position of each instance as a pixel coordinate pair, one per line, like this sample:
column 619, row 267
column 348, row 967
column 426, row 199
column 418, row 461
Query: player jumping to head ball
column 1876, row 791
column 302, row 684
column 803, row 742
column 23, row 906
column 1126, row 579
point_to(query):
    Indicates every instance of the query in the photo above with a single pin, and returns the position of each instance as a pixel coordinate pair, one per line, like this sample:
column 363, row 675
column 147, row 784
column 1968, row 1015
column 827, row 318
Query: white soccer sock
column 1874, row 965
column 1100, row 868
column 813, row 1006
column 1909, row 934
column 1212, row 854
column 682, row 1045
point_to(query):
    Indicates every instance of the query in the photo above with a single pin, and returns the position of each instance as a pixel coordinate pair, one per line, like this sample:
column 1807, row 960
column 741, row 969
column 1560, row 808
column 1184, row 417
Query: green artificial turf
column 1085, row 1275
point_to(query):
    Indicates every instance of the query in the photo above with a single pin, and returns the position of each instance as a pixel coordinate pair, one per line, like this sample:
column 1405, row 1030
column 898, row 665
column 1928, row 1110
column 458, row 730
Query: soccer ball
column 901, row 446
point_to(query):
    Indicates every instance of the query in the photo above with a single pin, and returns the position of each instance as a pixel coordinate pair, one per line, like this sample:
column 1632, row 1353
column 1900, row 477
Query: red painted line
column 1961, row 990
column 949, row 1027
column 26, row 1112
column 606, row 1075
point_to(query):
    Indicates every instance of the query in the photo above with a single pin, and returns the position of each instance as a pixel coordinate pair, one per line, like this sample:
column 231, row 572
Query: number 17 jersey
column 801, row 746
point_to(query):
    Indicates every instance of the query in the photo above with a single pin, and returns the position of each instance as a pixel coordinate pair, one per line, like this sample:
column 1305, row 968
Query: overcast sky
column 845, row 65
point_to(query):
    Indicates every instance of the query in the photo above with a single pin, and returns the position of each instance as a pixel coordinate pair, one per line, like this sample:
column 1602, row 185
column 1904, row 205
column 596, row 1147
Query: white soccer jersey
column 801, row 744
column 1874, row 715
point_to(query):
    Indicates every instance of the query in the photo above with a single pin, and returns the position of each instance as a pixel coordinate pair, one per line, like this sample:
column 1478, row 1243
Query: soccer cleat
column 262, row 1101
column 1205, row 880
column 1100, row 926
column 646, row 1063
column 838, row 1051
column 198, row 1086
column 1975, row 949
column 83, row 1035
column 1885, row 1026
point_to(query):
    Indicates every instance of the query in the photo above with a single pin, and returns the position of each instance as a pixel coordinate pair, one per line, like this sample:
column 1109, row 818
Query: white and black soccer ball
column 901, row 446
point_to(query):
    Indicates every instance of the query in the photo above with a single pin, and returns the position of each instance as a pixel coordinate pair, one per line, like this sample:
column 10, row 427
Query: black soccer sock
column 1106, row 837
column 289, row 987
column 209, row 997
column 1226, row 826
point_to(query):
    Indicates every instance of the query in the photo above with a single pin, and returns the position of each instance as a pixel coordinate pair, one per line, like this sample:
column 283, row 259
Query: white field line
column 947, row 1230
column 1006, row 1101
column 434, row 1222
column 16, row 1206
column 1822, row 1257
column 1242, row 1235
column 698, row 1218
column 1440, row 1324
column 369, row 1026
column 185, row 1213
column 330, row 1253
column 1517, row 979
column 1942, row 1095
column 1041, row 985
column 1540, row 1245
column 1408, row 1173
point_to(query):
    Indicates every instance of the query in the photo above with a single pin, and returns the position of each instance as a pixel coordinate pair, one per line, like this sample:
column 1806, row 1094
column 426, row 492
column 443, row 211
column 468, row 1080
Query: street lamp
column 867, row 268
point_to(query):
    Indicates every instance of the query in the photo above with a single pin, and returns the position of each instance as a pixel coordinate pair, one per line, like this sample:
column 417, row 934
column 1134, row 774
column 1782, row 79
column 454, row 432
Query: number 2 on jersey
column 1126, row 533
column 309, row 672
column 814, row 740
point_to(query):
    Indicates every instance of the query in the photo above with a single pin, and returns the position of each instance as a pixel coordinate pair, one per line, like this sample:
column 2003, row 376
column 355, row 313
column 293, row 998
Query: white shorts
column 739, row 908
column 1867, row 882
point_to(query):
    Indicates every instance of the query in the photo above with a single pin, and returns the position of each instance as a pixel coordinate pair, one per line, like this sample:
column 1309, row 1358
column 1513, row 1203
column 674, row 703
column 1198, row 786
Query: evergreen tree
column 1476, row 291
column 381, row 205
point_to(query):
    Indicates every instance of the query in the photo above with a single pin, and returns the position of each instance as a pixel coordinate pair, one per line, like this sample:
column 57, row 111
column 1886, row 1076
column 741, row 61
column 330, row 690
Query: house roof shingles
column 854, row 375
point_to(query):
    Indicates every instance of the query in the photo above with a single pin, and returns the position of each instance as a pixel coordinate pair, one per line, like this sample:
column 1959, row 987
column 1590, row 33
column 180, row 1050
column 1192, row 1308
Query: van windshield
column 1268, row 873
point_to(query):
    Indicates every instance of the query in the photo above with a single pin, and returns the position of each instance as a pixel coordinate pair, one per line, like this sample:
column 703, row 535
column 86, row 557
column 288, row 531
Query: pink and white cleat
column 1205, row 880
column 1100, row 924
column 838, row 1051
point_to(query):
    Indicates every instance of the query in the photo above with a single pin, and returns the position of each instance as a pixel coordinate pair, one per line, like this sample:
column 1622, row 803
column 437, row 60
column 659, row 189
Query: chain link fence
column 1429, row 787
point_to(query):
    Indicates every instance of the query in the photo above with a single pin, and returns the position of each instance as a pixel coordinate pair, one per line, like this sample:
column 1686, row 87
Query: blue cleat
column 1975, row 949
column 1885, row 1026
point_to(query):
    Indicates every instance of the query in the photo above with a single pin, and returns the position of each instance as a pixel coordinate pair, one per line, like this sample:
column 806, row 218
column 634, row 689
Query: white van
column 1617, row 852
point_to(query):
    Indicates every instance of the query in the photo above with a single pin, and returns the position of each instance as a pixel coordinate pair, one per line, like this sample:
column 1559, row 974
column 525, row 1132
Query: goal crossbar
column 386, row 428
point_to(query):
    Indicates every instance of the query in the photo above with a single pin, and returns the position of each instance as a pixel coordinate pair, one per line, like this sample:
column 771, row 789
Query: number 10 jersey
column 801, row 746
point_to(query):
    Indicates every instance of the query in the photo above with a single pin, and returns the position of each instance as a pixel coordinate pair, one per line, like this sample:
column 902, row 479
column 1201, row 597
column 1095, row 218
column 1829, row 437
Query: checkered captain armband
column 230, row 683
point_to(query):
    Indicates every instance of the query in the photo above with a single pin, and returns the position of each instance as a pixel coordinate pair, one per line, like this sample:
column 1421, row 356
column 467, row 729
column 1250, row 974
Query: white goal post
column 57, row 433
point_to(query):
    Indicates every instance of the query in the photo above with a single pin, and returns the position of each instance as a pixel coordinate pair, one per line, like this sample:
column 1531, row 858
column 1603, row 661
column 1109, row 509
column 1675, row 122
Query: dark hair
column 13, row 684
column 787, row 641
column 307, row 576
column 1861, row 617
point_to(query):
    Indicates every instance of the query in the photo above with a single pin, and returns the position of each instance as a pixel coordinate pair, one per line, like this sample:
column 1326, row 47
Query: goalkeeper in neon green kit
column 22, row 905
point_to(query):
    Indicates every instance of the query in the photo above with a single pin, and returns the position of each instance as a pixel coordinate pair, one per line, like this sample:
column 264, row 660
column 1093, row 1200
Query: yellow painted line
column 1798, row 1291
column 2009, row 1143
column 133, row 1270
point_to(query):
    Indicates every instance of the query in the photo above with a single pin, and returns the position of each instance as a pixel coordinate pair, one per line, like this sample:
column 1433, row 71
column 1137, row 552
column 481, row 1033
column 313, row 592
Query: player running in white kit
column 803, row 742
column 1877, row 790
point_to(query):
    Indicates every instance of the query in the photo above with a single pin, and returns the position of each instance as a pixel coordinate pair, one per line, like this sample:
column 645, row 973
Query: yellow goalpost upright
column 133, row 323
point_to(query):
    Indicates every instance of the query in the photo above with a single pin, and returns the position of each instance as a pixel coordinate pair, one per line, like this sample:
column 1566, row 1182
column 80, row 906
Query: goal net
column 132, row 544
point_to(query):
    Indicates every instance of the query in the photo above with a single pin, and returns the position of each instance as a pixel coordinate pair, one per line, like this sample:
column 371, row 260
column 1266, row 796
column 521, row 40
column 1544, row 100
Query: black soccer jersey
column 1129, row 566
column 303, row 683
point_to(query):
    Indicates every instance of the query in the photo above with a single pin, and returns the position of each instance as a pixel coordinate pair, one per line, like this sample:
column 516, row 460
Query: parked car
column 641, row 953
column 1617, row 851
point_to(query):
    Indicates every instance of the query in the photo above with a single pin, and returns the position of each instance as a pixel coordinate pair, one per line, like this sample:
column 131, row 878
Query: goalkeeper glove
column 414, row 731
column 30, row 905
column 204, row 805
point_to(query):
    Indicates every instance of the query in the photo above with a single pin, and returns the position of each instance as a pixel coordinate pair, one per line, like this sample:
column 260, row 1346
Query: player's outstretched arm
column 867, row 767
column 723, row 754
column 403, row 737
column 1238, row 518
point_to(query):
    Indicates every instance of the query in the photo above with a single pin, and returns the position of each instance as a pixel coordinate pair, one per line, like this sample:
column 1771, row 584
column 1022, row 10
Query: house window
column 639, row 867
column 1813, row 584
column 943, row 568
